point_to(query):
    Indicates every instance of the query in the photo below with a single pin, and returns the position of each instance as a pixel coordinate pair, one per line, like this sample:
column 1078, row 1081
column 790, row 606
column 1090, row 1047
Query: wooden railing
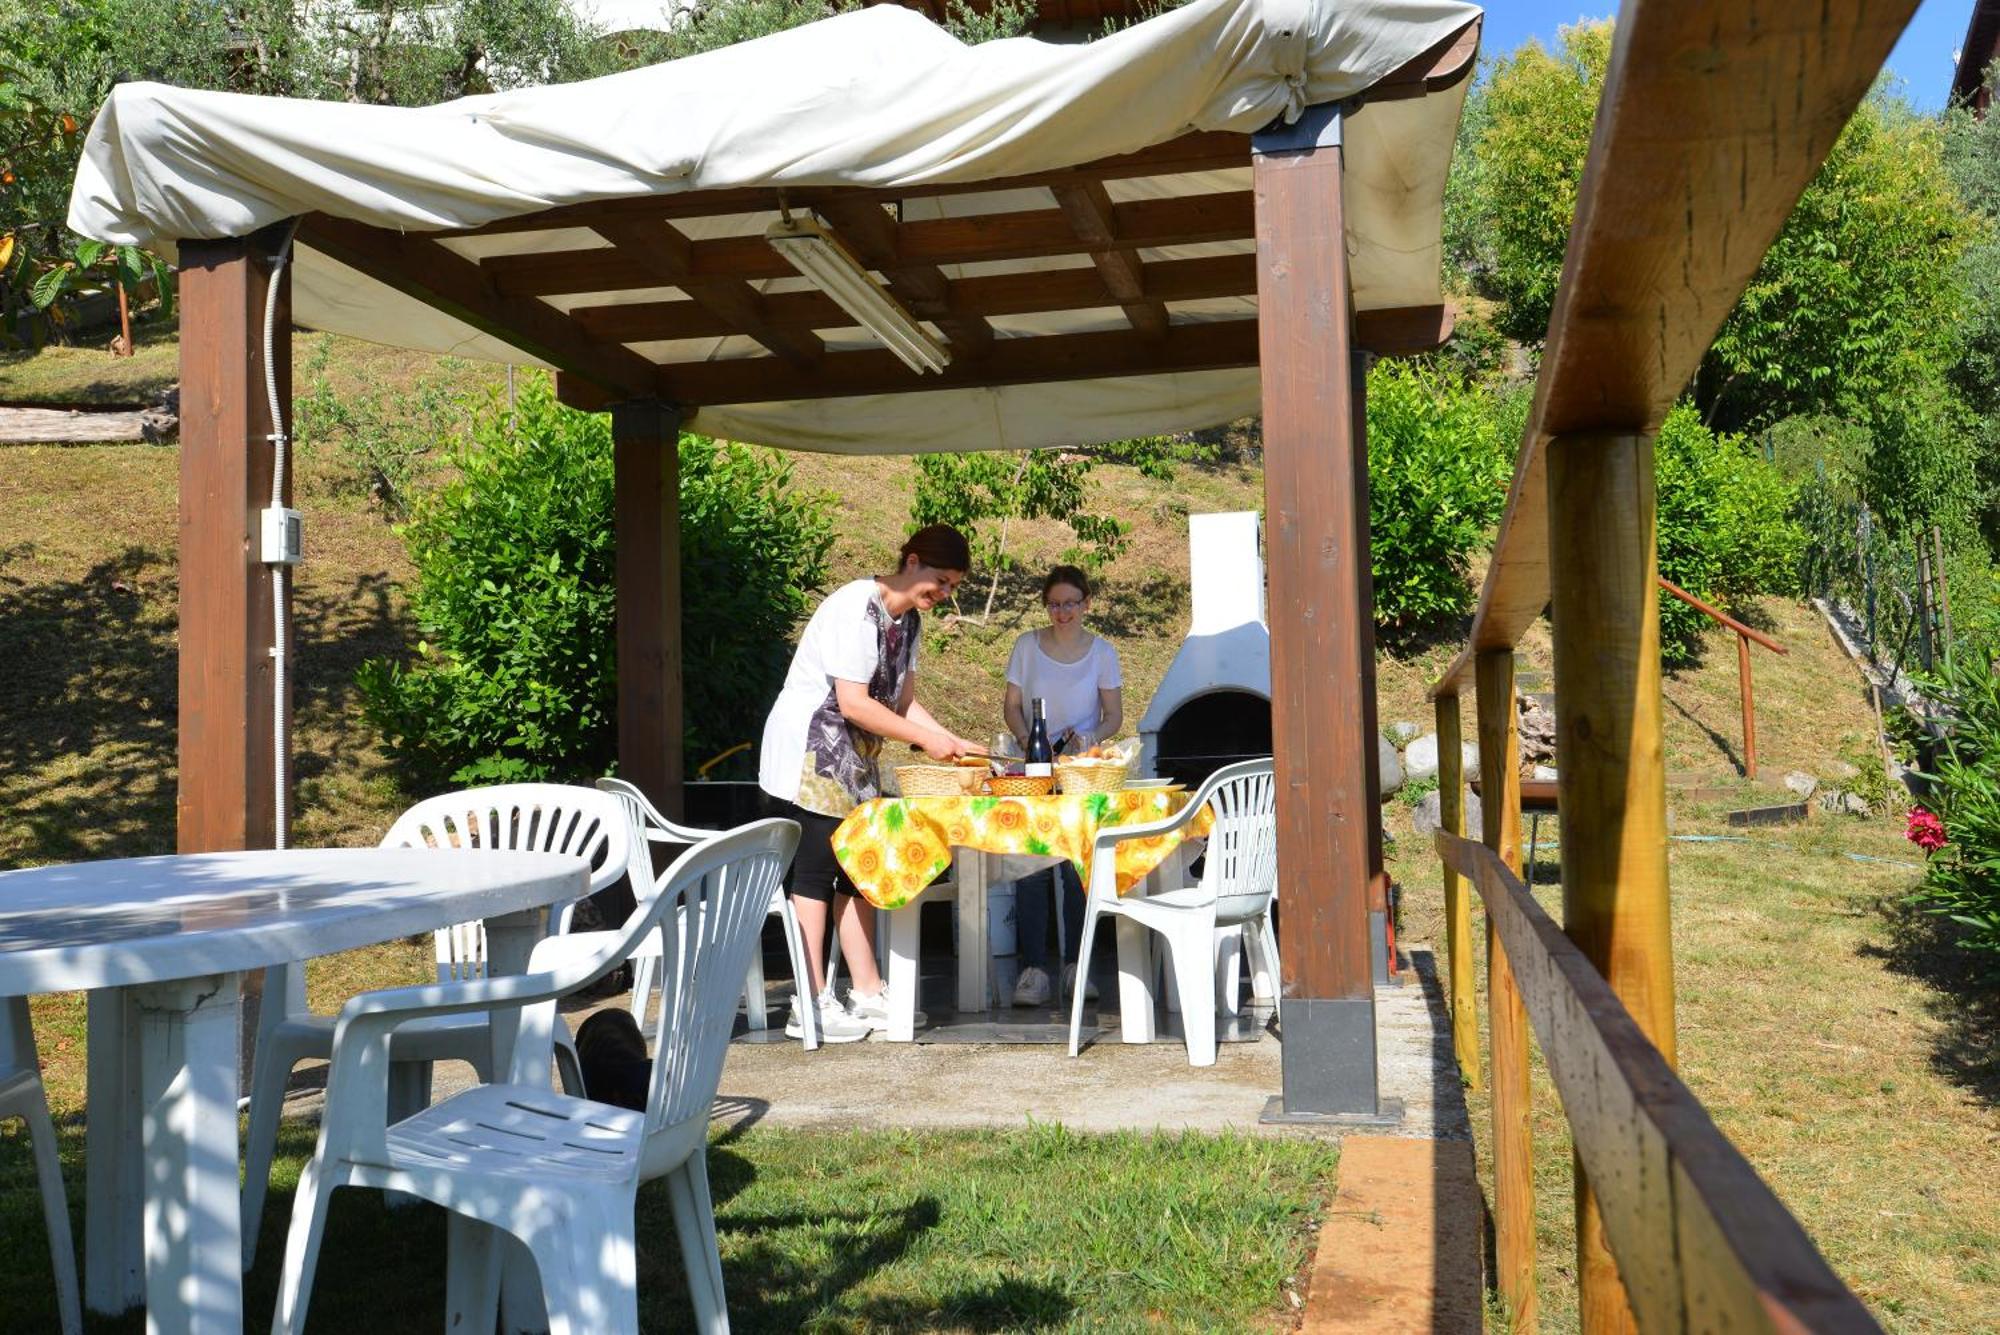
column 1712, row 121
column 1744, row 635
column 1701, row 1242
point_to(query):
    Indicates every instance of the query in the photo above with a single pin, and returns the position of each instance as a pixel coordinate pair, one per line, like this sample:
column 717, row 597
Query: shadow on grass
column 1963, row 996
column 1723, row 744
column 90, row 697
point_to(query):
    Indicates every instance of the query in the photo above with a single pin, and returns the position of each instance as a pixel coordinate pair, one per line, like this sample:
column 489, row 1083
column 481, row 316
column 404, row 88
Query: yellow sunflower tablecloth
column 893, row 847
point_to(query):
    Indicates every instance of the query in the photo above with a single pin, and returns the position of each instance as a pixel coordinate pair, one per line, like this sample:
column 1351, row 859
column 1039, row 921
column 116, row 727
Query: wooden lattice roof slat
column 428, row 271
column 980, row 298
column 1020, row 235
column 659, row 250
column 1201, row 151
column 1093, row 217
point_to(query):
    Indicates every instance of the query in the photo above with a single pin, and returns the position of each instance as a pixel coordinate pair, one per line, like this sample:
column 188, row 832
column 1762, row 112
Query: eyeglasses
column 1067, row 605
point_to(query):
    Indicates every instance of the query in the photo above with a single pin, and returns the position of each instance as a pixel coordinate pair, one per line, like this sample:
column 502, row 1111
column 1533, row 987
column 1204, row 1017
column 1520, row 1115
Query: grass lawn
column 1038, row 1229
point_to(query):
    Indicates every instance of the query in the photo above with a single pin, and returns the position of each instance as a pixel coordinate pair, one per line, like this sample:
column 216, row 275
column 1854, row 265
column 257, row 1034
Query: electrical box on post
column 284, row 536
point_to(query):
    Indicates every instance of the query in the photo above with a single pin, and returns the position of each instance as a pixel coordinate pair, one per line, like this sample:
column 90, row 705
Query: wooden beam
column 1437, row 68
column 1089, row 210
column 876, row 239
column 1381, row 930
column 1512, row 1108
column 1020, row 235
column 1316, row 538
column 1702, row 1241
column 1402, row 331
column 660, row 250
column 645, row 440
column 1673, row 216
column 983, row 298
column 1013, row 361
column 1612, row 778
column 421, row 268
column 1200, row 151
column 227, row 793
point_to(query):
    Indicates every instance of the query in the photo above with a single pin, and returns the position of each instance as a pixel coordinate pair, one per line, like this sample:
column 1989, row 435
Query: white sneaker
column 1069, row 984
column 871, row 1011
column 1032, row 987
column 835, row 1024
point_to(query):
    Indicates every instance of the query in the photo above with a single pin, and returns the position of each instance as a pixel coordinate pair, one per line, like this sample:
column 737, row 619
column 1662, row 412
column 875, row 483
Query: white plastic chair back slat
column 706, row 943
column 517, row 817
column 1241, row 867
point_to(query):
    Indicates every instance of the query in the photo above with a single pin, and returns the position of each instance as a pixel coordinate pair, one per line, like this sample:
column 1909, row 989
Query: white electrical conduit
column 280, row 443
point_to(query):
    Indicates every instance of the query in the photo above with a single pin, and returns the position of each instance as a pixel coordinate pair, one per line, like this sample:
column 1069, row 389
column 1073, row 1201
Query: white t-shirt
column 811, row 755
column 1068, row 690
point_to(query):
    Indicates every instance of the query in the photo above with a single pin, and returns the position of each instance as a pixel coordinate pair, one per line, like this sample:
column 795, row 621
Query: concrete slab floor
column 1109, row 1086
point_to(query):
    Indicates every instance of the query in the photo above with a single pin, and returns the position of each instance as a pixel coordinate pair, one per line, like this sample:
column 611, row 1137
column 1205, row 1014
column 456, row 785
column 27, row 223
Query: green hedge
column 515, row 677
column 1726, row 528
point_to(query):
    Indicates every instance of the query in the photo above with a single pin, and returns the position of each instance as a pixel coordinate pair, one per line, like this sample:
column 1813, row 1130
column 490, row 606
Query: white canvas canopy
column 879, row 98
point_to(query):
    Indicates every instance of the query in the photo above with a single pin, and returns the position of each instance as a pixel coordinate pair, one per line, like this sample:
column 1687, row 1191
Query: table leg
column 970, row 873
column 902, row 932
column 510, row 940
column 188, row 1043
column 114, row 1277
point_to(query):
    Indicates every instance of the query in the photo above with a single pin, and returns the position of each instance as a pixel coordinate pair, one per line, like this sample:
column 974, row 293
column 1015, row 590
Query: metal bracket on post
column 1317, row 127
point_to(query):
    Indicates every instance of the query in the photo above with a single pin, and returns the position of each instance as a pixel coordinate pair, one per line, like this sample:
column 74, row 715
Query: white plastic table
column 162, row 944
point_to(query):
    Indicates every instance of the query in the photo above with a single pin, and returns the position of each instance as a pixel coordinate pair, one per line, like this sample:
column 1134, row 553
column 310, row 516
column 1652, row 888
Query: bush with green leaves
column 1962, row 880
column 515, row 677
column 1726, row 526
column 1439, row 455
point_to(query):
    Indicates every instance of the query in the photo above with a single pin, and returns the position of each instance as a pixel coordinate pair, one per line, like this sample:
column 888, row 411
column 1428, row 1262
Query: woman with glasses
column 1076, row 676
column 853, row 684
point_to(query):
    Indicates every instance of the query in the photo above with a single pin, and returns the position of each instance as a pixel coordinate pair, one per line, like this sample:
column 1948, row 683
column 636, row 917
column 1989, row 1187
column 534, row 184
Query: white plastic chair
column 22, row 1096
column 542, row 817
column 649, row 827
column 560, row 1174
column 1238, row 881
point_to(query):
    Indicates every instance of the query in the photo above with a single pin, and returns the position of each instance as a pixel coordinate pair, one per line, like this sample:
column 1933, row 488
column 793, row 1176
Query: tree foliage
column 1857, row 300
column 1439, row 454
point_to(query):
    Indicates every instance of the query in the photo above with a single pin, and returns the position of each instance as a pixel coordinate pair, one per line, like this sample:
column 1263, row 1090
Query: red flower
column 1926, row 831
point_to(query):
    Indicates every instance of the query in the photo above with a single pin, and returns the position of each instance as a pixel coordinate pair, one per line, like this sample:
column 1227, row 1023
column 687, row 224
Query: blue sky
column 1923, row 58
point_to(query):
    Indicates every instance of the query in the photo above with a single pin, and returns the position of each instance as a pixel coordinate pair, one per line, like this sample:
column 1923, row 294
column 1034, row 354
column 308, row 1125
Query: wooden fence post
column 1513, row 1144
column 1457, row 897
column 1611, row 769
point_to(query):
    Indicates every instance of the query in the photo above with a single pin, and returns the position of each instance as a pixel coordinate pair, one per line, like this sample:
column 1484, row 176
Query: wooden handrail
column 1673, row 215
column 1701, row 1241
column 1723, row 617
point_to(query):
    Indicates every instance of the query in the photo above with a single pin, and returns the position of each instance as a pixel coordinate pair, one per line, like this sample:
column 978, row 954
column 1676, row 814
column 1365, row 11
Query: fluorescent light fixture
column 814, row 252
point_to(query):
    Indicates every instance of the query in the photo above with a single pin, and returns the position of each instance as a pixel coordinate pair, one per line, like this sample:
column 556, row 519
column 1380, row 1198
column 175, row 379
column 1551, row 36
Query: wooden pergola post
column 1317, row 541
column 1380, row 965
column 227, row 797
column 1611, row 769
column 1513, row 1143
column 646, row 462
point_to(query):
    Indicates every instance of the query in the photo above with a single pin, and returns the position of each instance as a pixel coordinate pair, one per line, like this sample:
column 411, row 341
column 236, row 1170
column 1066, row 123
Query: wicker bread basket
column 1093, row 776
column 1020, row 785
column 937, row 780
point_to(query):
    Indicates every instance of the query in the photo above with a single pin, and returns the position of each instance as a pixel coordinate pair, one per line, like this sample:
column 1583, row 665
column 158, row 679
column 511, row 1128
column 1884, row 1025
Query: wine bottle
column 1041, row 759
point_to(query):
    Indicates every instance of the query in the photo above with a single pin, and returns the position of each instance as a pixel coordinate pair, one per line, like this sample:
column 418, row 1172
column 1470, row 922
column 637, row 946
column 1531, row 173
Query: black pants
column 816, row 873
